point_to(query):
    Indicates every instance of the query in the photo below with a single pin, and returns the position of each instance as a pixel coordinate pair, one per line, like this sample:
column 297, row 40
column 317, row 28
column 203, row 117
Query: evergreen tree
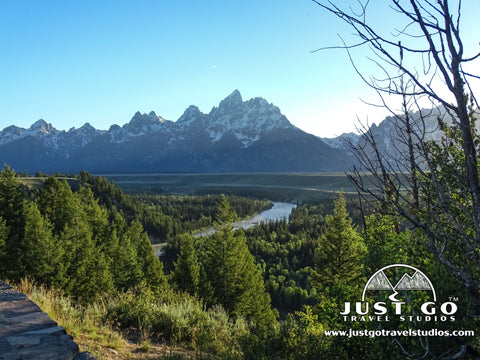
column 150, row 265
column 339, row 254
column 386, row 244
column 231, row 277
column 11, row 210
column 3, row 247
column 225, row 214
column 87, row 272
column 57, row 202
column 11, row 199
column 41, row 256
column 126, row 268
column 187, row 268
column 97, row 216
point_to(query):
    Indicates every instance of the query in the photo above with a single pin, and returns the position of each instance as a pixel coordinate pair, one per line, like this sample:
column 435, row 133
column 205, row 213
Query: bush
column 179, row 320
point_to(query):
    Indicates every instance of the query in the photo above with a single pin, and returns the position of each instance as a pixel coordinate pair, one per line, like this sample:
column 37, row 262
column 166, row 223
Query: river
column 279, row 211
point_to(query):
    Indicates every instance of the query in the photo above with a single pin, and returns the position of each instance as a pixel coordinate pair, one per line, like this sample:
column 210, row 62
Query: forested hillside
column 265, row 293
column 68, row 240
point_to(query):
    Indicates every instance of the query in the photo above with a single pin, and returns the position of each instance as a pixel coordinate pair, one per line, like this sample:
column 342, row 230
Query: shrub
column 179, row 320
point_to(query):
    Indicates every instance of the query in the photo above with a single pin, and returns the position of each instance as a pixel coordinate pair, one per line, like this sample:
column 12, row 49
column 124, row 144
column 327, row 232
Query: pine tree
column 11, row 199
column 3, row 247
column 126, row 270
column 187, row 268
column 111, row 242
column 97, row 216
column 87, row 273
column 225, row 215
column 338, row 258
column 386, row 244
column 150, row 265
column 41, row 256
column 11, row 210
column 57, row 202
column 230, row 275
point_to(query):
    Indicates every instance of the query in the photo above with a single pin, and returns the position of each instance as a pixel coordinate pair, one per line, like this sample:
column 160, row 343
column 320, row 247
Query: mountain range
column 235, row 136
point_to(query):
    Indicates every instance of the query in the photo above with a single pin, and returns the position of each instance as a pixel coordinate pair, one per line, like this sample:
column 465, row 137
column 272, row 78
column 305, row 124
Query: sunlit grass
column 85, row 324
column 187, row 329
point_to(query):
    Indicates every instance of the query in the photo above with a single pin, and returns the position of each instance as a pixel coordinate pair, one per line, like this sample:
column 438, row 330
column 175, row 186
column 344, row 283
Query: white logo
column 411, row 280
column 417, row 281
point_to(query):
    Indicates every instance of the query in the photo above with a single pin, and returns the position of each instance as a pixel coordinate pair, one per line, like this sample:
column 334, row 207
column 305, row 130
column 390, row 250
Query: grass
column 276, row 186
column 85, row 324
column 37, row 183
column 92, row 332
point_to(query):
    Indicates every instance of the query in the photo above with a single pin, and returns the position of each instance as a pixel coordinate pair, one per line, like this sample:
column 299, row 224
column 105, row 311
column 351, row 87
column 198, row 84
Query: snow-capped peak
column 231, row 103
column 343, row 141
column 11, row 133
column 143, row 123
column 86, row 129
column 246, row 120
column 42, row 126
column 191, row 114
column 140, row 124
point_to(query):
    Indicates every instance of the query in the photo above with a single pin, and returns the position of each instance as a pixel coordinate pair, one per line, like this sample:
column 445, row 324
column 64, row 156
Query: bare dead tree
column 434, row 185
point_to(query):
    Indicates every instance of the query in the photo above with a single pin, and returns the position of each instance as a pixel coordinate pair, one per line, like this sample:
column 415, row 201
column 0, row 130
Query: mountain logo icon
column 416, row 282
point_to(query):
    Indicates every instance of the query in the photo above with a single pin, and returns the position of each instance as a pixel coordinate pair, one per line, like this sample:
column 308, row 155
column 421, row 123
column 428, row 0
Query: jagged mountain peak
column 144, row 122
column 231, row 102
column 190, row 115
column 114, row 128
column 39, row 123
column 151, row 116
column 246, row 120
column 234, row 97
column 155, row 117
column 259, row 100
column 12, row 129
column 42, row 126
column 88, row 132
column 343, row 142
column 87, row 127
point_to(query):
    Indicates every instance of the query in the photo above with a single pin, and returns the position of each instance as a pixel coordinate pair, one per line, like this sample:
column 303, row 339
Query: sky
column 72, row 62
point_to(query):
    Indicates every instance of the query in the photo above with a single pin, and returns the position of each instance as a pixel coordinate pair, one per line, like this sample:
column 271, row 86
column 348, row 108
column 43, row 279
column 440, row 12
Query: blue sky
column 71, row 62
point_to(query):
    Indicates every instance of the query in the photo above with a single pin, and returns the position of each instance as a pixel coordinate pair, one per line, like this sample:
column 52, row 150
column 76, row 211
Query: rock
column 27, row 333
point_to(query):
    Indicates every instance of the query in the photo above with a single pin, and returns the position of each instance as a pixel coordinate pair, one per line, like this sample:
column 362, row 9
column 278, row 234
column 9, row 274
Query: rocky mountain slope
column 390, row 136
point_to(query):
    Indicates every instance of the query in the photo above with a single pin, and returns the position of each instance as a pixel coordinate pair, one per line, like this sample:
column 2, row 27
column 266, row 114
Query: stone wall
column 26, row 332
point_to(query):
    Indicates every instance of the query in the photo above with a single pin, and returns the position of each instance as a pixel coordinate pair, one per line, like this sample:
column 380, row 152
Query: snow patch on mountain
column 139, row 125
column 10, row 134
column 246, row 120
column 343, row 141
column 52, row 139
column 40, row 130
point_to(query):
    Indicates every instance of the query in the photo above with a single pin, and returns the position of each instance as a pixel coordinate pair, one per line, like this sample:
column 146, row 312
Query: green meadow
column 275, row 186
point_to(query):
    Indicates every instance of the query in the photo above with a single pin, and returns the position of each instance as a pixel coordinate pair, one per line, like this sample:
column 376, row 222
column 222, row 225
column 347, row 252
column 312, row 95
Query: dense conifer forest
column 268, row 292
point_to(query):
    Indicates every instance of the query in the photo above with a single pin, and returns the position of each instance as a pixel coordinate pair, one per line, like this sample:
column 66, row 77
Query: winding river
column 279, row 211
